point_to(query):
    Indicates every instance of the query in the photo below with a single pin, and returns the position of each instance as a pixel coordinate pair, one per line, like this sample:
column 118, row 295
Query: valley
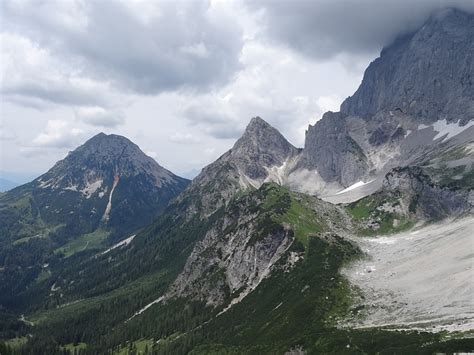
column 360, row 242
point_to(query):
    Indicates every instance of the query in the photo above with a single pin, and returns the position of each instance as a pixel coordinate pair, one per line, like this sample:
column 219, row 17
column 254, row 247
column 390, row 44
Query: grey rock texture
column 249, row 239
column 411, row 97
column 419, row 279
column 428, row 201
column 106, row 156
column 235, row 255
column 107, row 182
column 427, row 74
column 332, row 152
column 260, row 147
column 248, row 164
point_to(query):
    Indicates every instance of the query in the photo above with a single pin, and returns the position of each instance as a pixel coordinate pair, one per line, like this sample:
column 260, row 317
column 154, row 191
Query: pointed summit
column 106, row 182
column 257, row 124
column 262, row 141
column 260, row 148
column 259, row 128
column 109, row 155
column 262, row 154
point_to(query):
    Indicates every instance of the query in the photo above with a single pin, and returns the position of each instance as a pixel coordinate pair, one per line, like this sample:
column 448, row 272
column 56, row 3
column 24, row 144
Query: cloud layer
column 324, row 29
column 182, row 78
column 145, row 47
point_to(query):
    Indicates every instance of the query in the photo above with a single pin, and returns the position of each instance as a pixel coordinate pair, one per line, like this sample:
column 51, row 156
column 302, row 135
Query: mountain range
column 271, row 248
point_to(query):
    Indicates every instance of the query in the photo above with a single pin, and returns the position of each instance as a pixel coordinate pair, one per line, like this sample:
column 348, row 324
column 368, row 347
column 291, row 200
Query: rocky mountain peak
column 262, row 138
column 262, row 154
column 418, row 90
column 107, row 156
column 112, row 146
column 427, row 74
column 258, row 126
column 107, row 181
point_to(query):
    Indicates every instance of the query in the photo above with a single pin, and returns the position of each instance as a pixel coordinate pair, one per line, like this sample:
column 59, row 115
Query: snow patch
column 122, row 243
column 448, row 130
column 46, row 184
column 71, row 188
column 91, row 188
column 277, row 173
column 470, row 147
column 354, row 186
column 246, row 182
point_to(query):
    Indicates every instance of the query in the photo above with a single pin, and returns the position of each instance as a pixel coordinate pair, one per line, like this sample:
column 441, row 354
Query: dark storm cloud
column 322, row 29
column 186, row 45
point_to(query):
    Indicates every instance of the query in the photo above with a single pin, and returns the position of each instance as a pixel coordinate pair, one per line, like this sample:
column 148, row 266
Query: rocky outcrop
column 332, row 152
column 236, row 254
column 423, row 198
column 260, row 148
column 261, row 155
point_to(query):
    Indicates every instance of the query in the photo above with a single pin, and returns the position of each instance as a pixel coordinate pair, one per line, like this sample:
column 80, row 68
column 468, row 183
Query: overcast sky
column 181, row 79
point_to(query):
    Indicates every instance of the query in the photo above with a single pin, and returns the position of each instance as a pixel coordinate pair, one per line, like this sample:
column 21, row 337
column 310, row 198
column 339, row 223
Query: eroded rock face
column 419, row 89
column 425, row 199
column 427, row 74
column 332, row 152
column 235, row 255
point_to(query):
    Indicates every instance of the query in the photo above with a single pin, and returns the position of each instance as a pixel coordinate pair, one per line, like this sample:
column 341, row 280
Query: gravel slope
column 423, row 278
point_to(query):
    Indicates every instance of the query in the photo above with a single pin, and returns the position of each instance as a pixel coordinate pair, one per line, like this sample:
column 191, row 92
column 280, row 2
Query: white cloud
column 30, row 74
column 58, row 134
column 290, row 92
column 164, row 73
column 99, row 116
column 7, row 134
column 329, row 103
column 184, row 138
column 325, row 29
column 174, row 45
column 199, row 50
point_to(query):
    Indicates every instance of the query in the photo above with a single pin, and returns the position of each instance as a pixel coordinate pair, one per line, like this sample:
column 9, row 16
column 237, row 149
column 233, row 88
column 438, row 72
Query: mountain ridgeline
column 108, row 252
column 107, row 182
column 100, row 193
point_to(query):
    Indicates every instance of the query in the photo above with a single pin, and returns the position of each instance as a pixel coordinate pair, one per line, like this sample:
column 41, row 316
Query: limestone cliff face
column 235, row 255
column 418, row 91
column 427, row 74
column 332, row 152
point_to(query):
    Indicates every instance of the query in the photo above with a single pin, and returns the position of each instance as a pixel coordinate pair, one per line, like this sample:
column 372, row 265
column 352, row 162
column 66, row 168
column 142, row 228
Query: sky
column 181, row 79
